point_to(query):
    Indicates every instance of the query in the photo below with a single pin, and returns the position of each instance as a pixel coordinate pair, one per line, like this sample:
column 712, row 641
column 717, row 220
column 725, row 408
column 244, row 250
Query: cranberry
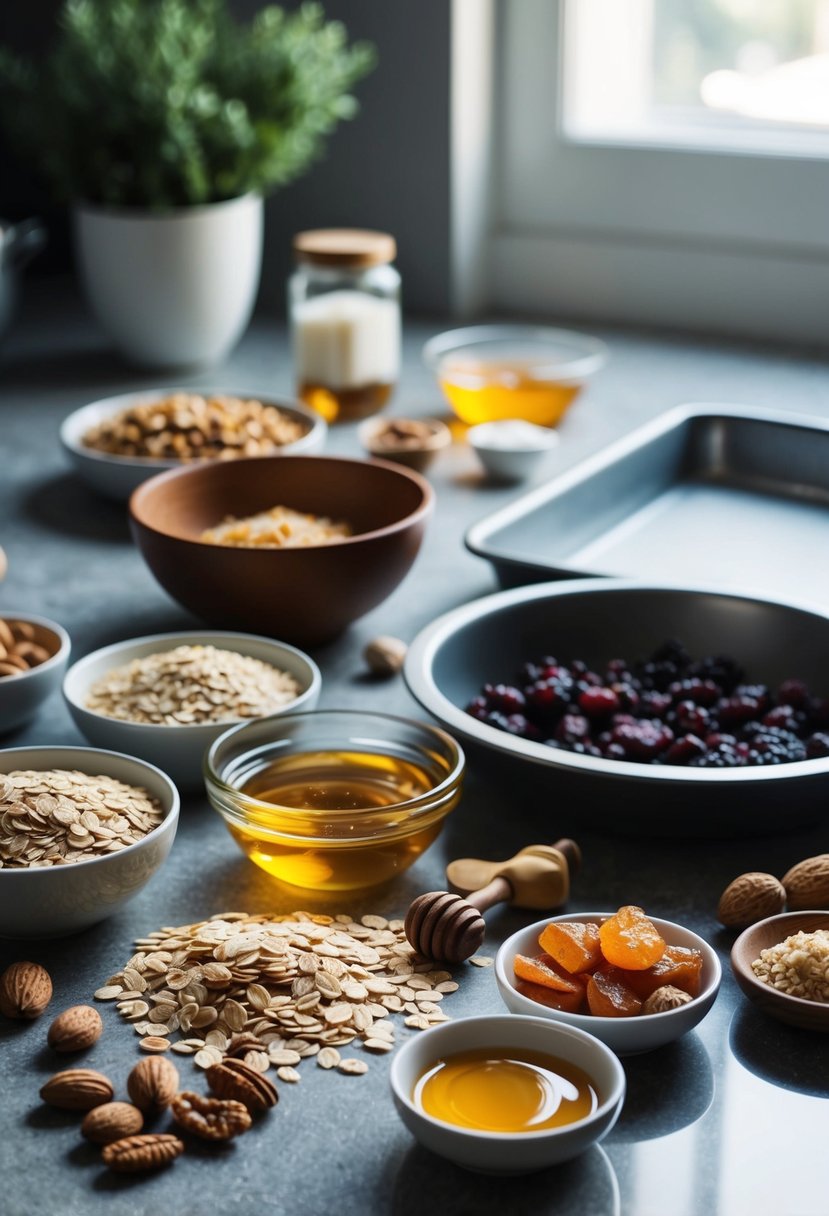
column 504, row 698
column 654, row 704
column 684, row 750
column 643, row 740
column 781, row 715
column 598, row 702
column 734, row 711
column 794, row 693
column 817, row 746
column 701, row 692
column 692, row 718
column 478, row 707
column 627, row 694
column 550, row 695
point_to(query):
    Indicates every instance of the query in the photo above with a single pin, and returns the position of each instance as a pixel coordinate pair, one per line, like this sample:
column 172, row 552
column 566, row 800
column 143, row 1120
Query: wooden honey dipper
column 449, row 927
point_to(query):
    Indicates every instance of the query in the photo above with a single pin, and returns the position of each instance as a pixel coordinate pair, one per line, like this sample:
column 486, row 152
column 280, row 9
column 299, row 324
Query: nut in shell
column 233, row 1079
column 75, row 1029
column 112, row 1121
column 77, row 1089
column 807, row 884
column 664, row 998
column 749, row 898
column 210, row 1118
column 384, row 656
column 153, row 1083
column 25, row 990
column 137, row 1154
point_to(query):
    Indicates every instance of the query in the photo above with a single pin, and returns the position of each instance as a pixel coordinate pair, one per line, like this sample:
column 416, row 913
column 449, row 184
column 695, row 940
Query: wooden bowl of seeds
column 782, row 966
column 83, row 831
column 166, row 697
column 34, row 653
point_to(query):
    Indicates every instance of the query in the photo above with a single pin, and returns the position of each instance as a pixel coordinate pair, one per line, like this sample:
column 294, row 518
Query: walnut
column 666, row 997
column 210, row 1118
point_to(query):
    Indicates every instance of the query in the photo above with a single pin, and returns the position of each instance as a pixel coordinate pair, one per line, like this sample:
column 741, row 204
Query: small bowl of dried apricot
column 633, row 981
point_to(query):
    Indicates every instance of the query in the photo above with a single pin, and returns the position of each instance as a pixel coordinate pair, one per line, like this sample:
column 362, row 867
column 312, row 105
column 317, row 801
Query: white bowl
column 64, row 899
column 178, row 750
column 507, row 459
column 508, row 1152
column 625, row 1036
column 117, row 476
column 22, row 696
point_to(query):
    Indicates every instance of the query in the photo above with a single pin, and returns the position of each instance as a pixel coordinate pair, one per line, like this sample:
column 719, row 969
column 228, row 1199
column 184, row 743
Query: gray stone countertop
column 731, row 1120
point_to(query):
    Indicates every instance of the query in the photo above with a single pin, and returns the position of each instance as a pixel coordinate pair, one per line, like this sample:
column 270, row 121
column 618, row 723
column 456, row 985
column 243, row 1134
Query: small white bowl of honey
column 507, row 1095
column 334, row 800
column 488, row 373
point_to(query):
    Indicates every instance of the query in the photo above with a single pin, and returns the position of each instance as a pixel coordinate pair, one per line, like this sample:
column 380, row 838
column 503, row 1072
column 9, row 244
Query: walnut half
column 210, row 1118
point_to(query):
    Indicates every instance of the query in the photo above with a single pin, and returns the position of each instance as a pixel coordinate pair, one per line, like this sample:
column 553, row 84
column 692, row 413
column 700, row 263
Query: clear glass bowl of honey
column 493, row 372
column 334, row 800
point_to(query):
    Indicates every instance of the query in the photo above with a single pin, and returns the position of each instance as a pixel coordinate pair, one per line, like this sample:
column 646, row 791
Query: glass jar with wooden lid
column 344, row 306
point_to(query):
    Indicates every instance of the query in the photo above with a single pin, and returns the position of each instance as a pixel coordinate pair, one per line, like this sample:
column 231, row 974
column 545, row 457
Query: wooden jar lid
column 352, row 248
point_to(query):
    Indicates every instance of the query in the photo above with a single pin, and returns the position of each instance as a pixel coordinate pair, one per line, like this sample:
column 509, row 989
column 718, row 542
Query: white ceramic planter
column 174, row 289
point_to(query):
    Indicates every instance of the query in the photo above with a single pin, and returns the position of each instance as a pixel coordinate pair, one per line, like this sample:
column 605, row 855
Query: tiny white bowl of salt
column 511, row 449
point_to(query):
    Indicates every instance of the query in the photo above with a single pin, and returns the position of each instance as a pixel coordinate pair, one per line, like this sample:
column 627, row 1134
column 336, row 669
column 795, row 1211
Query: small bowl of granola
column 782, row 966
column 117, row 443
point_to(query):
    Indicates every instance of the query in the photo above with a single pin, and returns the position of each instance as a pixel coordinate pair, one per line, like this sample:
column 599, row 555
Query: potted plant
column 164, row 123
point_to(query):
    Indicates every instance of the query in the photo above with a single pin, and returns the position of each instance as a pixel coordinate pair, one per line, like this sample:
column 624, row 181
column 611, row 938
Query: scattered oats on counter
column 278, row 528
column 192, row 685
column 58, row 817
column 798, row 966
column 273, row 991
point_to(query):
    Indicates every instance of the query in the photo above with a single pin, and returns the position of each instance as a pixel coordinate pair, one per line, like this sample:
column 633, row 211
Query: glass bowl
column 490, row 372
column 352, row 798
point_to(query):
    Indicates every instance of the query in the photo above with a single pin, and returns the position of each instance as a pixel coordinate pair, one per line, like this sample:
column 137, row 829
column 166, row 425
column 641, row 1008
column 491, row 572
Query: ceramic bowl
column 64, row 899
column 497, row 1152
column 413, row 456
column 794, row 1010
column 22, row 696
column 599, row 619
column 325, row 849
column 625, row 1036
column 117, row 476
column 533, row 372
column 306, row 595
column 178, row 750
column 508, row 453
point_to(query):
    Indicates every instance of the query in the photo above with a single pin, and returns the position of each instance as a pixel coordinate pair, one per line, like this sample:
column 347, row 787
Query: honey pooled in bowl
column 487, row 390
column 505, row 1090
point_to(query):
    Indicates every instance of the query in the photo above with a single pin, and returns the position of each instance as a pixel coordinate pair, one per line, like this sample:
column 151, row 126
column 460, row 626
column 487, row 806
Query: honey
column 331, row 820
column 344, row 404
column 505, row 1090
column 488, row 390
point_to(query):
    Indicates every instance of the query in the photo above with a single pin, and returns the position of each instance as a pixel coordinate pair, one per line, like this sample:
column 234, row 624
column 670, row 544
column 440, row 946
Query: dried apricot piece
column 679, row 966
column 573, row 945
column 544, row 971
column 567, row 1002
column 629, row 940
column 608, row 996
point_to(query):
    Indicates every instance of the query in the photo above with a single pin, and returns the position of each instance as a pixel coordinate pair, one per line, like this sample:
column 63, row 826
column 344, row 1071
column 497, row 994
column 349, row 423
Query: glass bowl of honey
column 492, row 372
column 334, row 800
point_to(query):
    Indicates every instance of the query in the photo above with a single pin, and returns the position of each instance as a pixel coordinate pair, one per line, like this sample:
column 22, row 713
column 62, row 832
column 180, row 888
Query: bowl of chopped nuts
column 117, row 443
column 167, row 696
column 295, row 547
column 84, row 831
column 413, row 442
column 34, row 652
column 782, row 966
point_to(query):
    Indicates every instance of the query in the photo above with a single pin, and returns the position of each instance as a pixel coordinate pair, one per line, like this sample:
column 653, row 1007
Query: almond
column 25, row 990
column 77, row 1089
column 135, row 1154
column 75, row 1029
column 112, row 1121
column 807, row 883
column 153, row 1083
column 750, row 898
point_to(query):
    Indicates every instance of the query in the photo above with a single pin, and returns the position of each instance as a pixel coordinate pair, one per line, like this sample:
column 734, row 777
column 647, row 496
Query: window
column 665, row 161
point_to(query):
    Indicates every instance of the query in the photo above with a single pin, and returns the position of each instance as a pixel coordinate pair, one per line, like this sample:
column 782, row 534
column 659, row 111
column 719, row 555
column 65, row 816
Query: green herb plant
column 171, row 103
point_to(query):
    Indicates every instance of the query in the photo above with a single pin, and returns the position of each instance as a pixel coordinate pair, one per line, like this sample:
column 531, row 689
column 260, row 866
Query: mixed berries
column 668, row 709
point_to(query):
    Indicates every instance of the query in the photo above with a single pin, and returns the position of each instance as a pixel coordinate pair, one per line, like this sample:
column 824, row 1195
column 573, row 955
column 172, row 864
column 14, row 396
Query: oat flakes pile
column 278, row 528
column 275, row 990
column 57, row 817
column 190, row 685
column 798, row 966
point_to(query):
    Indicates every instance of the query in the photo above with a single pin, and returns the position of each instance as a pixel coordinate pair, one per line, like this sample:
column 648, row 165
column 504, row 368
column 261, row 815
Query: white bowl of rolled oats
column 118, row 442
column 81, row 832
column 166, row 697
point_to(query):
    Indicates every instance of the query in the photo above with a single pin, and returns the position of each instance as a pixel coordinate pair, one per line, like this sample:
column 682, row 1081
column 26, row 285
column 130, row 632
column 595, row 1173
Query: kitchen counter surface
column 730, row 1121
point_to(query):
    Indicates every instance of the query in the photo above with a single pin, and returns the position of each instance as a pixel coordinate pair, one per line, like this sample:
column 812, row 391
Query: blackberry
column 721, row 756
column 721, row 668
column 817, row 746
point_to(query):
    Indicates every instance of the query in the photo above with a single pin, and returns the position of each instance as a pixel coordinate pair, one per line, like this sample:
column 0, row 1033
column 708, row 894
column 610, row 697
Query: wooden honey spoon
column 449, row 927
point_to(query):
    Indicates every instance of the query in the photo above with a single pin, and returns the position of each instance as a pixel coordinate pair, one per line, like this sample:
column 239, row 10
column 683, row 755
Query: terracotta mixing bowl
column 306, row 596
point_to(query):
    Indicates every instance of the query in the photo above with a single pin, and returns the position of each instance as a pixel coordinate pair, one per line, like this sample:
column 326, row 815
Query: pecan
column 237, row 1080
column 210, row 1118
column 134, row 1154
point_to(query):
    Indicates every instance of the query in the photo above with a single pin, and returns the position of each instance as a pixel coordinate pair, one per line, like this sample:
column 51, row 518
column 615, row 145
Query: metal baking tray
column 714, row 494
